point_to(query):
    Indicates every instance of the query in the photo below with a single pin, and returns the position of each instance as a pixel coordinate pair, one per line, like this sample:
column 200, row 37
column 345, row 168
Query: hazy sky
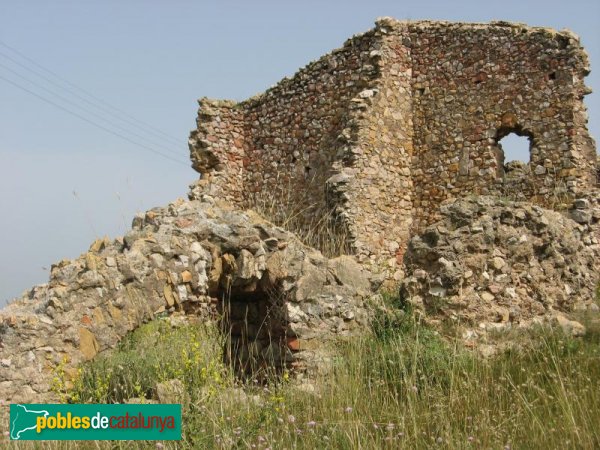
column 64, row 182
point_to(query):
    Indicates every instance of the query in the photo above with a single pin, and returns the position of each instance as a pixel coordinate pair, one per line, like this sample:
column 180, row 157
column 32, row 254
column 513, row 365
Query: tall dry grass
column 296, row 208
column 401, row 386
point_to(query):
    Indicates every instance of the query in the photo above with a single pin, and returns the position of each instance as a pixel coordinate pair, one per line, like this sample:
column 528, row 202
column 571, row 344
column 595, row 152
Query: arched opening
column 256, row 333
column 514, row 149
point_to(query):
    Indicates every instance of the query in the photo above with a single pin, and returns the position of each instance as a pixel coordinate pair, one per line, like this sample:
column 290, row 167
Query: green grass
column 402, row 386
column 156, row 352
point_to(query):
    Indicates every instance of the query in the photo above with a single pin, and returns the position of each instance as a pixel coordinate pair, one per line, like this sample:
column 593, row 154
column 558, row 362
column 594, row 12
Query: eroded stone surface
column 274, row 297
column 490, row 263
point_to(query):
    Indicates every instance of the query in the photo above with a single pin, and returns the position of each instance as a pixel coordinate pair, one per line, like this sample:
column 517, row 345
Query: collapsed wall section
column 279, row 303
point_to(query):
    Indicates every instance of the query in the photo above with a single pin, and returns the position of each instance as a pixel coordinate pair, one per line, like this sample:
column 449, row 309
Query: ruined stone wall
column 374, row 136
column 381, row 187
column 277, row 301
column 294, row 128
column 491, row 264
column 217, row 148
column 275, row 151
column 472, row 85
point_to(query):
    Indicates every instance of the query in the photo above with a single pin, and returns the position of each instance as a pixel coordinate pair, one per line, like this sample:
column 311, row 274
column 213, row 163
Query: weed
column 154, row 353
column 402, row 386
column 295, row 209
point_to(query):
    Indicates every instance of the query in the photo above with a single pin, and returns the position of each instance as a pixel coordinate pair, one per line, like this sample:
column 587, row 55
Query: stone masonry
column 374, row 136
column 389, row 140
column 493, row 264
column 276, row 300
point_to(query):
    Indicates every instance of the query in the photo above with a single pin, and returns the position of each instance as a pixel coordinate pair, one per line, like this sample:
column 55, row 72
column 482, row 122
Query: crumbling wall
column 217, row 148
column 374, row 136
column 489, row 263
column 275, row 151
column 294, row 128
column 277, row 301
column 473, row 84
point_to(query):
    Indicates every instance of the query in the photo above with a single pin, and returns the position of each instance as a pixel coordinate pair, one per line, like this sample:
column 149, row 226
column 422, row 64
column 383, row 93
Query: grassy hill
column 403, row 386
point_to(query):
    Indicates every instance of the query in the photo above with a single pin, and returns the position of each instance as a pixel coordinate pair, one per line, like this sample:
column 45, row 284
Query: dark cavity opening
column 255, row 327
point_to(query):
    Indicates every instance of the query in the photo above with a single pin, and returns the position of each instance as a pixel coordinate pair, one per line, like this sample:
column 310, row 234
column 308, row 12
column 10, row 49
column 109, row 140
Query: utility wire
column 93, row 104
column 66, row 100
column 148, row 127
column 153, row 150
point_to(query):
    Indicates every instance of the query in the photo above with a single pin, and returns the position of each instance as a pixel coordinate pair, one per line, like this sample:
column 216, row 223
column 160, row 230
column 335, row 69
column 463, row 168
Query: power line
column 91, row 122
column 64, row 99
column 149, row 128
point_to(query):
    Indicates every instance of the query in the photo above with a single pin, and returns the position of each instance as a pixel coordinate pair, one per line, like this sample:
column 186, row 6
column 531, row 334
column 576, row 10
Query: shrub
column 154, row 353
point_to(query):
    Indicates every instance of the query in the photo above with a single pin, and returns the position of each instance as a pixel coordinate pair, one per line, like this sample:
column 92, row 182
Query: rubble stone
column 219, row 266
column 550, row 263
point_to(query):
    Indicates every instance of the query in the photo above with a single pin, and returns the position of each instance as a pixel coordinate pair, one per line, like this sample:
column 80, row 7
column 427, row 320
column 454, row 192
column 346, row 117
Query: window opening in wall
column 514, row 147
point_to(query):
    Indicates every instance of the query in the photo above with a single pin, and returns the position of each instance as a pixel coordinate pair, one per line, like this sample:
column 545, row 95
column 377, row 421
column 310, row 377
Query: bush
column 154, row 353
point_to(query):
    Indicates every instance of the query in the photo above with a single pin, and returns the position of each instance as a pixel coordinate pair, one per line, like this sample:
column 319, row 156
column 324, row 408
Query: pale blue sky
column 153, row 59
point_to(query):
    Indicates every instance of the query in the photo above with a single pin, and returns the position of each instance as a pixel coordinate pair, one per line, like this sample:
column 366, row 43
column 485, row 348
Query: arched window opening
column 514, row 149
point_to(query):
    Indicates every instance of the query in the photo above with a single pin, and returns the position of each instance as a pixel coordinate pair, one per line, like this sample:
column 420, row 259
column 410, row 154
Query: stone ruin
column 490, row 264
column 377, row 134
column 276, row 300
column 376, row 140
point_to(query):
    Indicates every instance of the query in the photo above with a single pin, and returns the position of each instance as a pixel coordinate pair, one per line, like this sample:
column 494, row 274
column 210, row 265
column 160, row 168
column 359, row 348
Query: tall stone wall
column 294, row 128
column 374, row 136
column 275, row 151
column 381, row 188
column 473, row 84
